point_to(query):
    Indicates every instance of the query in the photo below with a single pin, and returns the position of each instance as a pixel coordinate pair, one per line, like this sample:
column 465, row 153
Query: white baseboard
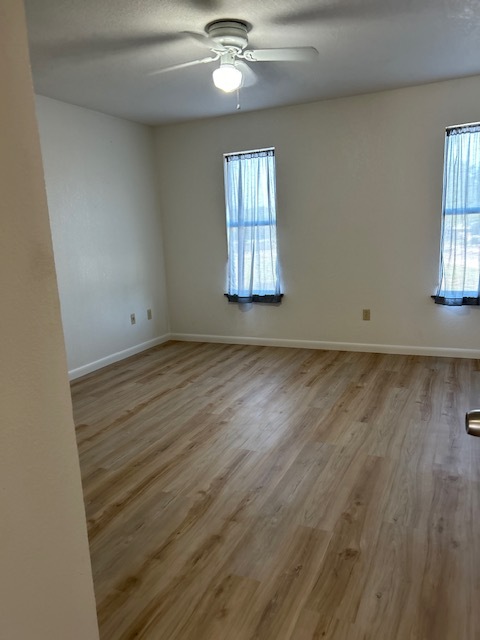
column 115, row 357
column 331, row 346
column 275, row 342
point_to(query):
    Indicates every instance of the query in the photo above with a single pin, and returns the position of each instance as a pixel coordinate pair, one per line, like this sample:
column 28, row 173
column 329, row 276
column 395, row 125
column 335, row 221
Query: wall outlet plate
column 366, row 314
column 132, row 318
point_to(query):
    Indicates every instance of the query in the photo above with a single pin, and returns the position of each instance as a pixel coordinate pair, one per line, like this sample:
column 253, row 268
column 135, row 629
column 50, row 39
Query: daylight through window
column 253, row 273
column 460, row 243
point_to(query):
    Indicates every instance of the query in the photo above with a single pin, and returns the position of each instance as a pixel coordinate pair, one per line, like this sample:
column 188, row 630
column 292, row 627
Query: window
column 460, row 245
column 253, row 273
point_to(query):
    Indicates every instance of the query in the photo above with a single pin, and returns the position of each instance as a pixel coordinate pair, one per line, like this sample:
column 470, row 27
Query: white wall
column 46, row 590
column 359, row 183
column 103, row 201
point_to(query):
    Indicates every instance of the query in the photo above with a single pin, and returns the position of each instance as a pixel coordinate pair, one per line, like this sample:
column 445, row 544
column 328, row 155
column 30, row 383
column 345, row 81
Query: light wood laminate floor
column 240, row 492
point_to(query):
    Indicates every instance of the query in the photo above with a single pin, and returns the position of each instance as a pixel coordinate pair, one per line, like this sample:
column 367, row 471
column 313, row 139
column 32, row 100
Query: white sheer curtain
column 253, row 269
column 460, row 245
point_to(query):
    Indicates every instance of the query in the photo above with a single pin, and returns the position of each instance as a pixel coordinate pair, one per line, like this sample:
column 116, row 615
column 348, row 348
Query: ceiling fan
column 228, row 41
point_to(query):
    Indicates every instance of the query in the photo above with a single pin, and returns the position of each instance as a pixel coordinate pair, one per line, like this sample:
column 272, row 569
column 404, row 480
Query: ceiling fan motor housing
column 229, row 33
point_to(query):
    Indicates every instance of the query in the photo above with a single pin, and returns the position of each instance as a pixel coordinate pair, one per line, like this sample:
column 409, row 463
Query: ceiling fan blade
column 334, row 10
column 183, row 65
column 205, row 5
column 204, row 40
column 289, row 54
column 102, row 47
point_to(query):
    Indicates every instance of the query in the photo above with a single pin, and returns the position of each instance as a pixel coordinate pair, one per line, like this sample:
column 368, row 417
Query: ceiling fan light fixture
column 227, row 77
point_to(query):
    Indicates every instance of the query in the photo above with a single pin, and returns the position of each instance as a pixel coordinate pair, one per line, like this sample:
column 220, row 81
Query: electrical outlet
column 149, row 314
column 132, row 318
column 366, row 314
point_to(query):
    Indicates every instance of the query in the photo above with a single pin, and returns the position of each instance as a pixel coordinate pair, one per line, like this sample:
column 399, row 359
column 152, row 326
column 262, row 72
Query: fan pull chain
column 238, row 100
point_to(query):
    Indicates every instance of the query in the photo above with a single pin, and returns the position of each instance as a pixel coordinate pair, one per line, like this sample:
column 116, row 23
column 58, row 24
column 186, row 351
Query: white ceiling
column 99, row 53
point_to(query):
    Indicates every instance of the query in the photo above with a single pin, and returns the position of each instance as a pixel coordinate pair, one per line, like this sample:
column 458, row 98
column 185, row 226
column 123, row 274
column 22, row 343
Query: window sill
column 457, row 302
column 255, row 298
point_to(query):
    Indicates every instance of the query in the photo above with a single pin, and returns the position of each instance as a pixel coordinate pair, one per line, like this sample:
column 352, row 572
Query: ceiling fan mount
column 229, row 34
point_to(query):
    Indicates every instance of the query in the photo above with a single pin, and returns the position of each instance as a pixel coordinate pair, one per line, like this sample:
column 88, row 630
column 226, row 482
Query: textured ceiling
column 99, row 53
